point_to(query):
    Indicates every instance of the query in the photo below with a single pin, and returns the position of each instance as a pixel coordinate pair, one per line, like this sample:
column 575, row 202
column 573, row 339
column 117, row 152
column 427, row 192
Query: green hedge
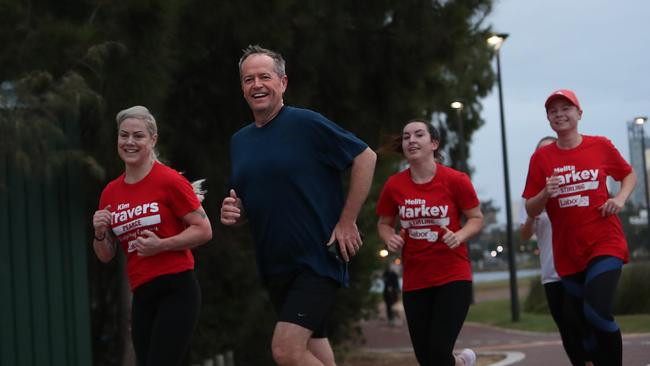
column 632, row 295
column 536, row 300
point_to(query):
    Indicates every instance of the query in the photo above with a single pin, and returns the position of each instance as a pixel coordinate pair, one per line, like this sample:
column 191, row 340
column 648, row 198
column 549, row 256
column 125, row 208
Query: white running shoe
column 468, row 356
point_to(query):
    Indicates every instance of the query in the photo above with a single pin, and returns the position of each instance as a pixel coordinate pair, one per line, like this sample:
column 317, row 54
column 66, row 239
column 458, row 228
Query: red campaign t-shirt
column 580, row 233
column 422, row 210
column 156, row 203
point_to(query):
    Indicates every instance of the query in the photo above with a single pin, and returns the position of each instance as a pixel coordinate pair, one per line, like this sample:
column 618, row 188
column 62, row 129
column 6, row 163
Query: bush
column 633, row 294
column 536, row 300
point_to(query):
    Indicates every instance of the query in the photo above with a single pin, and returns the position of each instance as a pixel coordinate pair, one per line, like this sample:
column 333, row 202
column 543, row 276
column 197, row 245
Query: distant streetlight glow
column 493, row 253
column 496, row 40
column 383, row 253
column 500, row 248
column 462, row 159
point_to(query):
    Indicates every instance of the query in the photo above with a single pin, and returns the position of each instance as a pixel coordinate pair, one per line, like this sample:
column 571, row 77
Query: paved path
column 522, row 348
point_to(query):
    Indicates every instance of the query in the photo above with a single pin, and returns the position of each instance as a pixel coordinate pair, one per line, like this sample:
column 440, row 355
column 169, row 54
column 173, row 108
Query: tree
column 110, row 50
column 367, row 65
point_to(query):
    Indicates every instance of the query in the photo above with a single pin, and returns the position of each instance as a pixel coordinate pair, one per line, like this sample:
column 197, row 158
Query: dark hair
column 552, row 138
column 278, row 61
column 393, row 143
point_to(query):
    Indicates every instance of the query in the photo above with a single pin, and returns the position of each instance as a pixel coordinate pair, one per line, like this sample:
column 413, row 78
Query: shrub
column 536, row 300
column 633, row 294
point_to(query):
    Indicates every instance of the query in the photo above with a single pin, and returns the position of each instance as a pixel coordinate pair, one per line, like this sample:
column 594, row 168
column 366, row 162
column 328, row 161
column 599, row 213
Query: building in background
column 634, row 135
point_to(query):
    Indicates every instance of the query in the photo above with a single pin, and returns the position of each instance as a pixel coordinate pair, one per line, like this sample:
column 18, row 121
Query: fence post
column 230, row 358
column 219, row 360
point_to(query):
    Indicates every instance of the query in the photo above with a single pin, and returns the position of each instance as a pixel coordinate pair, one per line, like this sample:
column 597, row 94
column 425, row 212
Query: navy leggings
column 592, row 296
column 435, row 316
column 568, row 322
column 164, row 314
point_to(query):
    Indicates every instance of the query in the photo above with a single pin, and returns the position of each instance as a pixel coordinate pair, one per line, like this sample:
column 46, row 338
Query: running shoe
column 468, row 356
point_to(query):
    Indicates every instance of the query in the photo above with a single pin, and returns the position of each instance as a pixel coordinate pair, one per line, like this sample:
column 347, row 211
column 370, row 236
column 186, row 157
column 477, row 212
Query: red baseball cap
column 566, row 94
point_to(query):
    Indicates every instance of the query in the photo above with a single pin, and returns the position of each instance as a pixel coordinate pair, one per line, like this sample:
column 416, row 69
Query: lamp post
column 462, row 165
column 495, row 41
column 641, row 122
column 458, row 106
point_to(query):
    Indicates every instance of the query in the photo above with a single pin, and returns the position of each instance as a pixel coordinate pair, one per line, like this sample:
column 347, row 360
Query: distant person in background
column 153, row 213
column 568, row 179
column 391, row 292
column 429, row 201
column 563, row 313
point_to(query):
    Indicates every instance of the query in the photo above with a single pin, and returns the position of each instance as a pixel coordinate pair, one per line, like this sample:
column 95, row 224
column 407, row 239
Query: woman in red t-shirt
column 156, row 217
column 568, row 179
column 429, row 200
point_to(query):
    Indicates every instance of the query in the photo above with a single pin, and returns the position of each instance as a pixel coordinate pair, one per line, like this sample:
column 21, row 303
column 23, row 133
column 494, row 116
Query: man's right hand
column 231, row 209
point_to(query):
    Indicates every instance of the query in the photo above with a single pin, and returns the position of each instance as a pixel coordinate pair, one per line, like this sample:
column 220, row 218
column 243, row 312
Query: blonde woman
column 154, row 215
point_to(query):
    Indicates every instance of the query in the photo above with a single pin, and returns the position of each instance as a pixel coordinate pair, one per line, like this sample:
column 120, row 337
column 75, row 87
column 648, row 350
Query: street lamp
column 496, row 41
column 641, row 122
column 458, row 106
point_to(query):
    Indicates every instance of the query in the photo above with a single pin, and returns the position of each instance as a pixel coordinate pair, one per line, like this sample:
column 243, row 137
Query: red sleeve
column 105, row 198
column 386, row 205
column 182, row 199
column 465, row 193
column 535, row 180
column 102, row 200
column 616, row 166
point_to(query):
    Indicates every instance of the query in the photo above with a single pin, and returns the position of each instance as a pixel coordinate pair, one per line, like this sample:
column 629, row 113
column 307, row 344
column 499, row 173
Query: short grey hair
column 278, row 61
column 141, row 113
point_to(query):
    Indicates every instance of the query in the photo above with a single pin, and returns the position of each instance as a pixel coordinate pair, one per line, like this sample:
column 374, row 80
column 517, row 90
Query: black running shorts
column 303, row 298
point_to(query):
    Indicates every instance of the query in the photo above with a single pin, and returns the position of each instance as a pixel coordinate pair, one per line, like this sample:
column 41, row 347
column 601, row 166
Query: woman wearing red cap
column 568, row 179
column 429, row 199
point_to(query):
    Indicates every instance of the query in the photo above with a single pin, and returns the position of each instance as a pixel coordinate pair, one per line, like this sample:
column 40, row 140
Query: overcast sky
column 598, row 48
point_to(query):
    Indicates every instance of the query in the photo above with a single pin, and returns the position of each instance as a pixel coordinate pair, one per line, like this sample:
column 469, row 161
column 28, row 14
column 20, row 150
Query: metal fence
column 44, row 310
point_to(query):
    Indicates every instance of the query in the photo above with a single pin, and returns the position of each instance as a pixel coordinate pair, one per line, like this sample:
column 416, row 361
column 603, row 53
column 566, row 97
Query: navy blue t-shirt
column 288, row 176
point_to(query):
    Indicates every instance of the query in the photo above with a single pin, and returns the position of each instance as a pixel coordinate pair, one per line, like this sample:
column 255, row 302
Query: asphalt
column 517, row 347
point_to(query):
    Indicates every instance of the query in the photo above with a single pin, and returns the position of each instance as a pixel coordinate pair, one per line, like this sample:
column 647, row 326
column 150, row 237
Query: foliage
column 35, row 131
column 497, row 313
column 636, row 234
column 367, row 65
column 633, row 293
column 536, row 299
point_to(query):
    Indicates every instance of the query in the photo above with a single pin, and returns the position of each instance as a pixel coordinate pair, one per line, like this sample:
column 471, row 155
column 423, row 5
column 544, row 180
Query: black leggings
column 567, row 321
column 435, row 316
column 592, row 296
column 164, row 314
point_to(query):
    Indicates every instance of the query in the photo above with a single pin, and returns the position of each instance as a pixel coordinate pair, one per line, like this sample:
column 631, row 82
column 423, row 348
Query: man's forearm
column 361, row 174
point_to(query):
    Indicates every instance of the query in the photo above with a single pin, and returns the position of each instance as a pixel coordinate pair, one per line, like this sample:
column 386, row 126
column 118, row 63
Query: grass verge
column 497, row 312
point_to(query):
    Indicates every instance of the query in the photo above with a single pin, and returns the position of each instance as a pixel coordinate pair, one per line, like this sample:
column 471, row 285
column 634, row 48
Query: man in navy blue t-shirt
column 286, row 183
